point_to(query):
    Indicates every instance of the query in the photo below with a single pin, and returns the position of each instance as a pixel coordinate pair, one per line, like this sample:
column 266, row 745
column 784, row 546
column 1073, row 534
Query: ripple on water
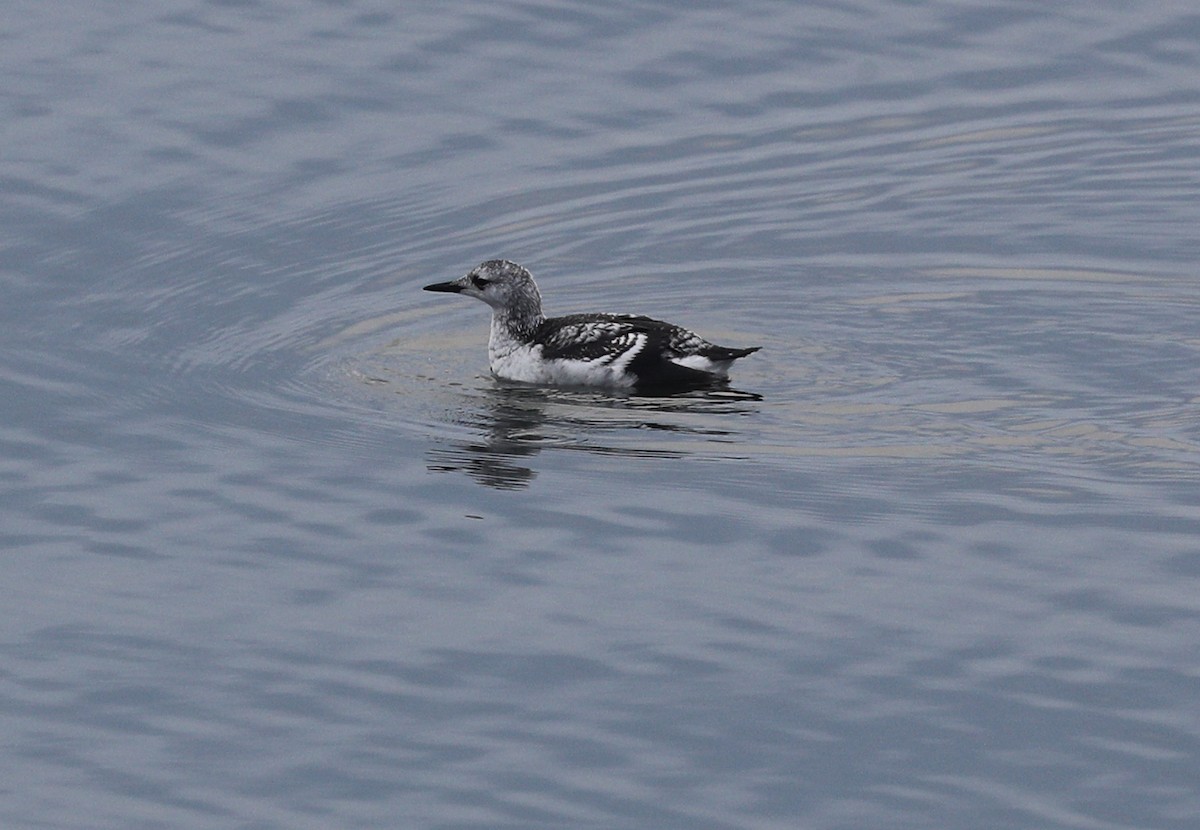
column 909, row 373
column 941, row 572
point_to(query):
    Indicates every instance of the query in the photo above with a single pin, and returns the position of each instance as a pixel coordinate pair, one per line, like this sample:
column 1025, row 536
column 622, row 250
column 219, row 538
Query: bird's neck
column 517, row 323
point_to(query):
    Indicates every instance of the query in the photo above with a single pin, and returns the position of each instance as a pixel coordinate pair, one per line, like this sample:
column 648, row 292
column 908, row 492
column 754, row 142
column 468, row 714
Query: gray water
column 278, row 553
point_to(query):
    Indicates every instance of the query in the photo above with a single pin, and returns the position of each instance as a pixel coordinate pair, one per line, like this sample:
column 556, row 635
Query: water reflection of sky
column 278, row 552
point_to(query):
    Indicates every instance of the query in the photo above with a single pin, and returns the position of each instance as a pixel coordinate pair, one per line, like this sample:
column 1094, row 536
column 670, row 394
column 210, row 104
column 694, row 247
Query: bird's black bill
column 448, row 287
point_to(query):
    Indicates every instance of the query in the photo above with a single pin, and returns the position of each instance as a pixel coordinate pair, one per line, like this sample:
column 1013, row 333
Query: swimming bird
column 623, row 351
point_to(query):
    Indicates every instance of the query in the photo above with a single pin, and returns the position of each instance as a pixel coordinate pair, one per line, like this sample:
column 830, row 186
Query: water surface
column 279, row 553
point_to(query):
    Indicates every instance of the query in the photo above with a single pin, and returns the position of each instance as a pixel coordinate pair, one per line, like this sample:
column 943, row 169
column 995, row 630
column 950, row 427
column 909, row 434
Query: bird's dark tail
column 720, row 354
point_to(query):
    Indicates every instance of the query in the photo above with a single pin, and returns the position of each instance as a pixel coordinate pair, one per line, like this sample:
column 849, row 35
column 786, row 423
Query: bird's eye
column 479, row 282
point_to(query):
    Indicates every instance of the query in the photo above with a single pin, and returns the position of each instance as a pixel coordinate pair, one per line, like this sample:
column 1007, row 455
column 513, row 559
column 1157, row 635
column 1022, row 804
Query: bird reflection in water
column 516, row 422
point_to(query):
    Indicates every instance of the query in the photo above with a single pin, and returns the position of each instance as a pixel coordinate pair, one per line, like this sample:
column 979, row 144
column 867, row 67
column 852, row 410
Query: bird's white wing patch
column 629, row 344
column 600, row 358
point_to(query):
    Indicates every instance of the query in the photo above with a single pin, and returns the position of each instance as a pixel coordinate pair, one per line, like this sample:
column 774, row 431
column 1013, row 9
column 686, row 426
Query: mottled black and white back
column 605, row 350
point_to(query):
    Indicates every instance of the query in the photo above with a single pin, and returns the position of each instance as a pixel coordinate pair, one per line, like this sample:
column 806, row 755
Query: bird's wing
column 658, row 354
column 589, row 338
column 594, row 336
